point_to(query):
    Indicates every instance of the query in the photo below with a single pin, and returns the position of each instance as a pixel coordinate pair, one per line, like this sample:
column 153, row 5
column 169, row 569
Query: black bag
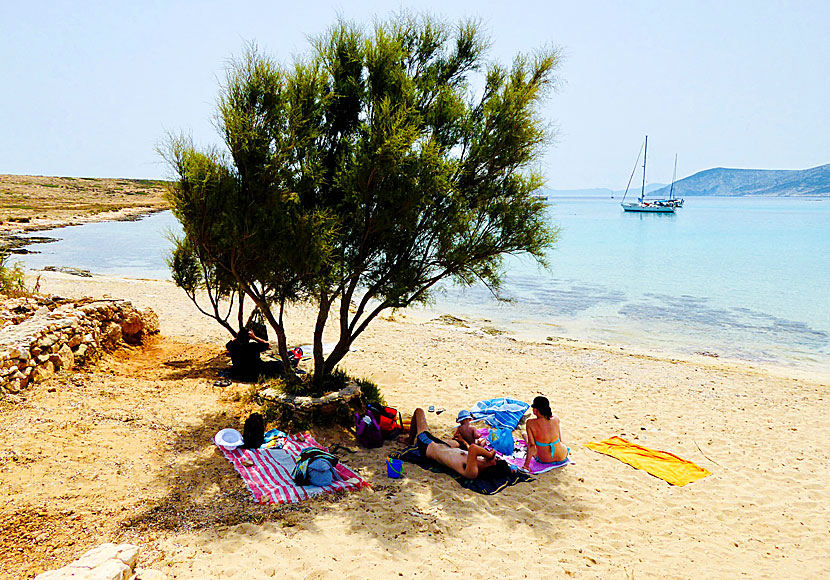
column 253, row 434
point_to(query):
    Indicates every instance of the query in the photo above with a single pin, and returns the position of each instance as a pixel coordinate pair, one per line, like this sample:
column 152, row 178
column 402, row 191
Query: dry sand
column 122, row 452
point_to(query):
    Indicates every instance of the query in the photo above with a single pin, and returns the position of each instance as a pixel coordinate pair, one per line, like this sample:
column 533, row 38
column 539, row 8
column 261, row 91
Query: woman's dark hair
column 542, row 405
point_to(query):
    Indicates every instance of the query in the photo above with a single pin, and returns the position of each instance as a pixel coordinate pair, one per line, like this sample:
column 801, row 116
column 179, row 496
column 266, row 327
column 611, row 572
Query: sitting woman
column 544, row 439
column 245, row 362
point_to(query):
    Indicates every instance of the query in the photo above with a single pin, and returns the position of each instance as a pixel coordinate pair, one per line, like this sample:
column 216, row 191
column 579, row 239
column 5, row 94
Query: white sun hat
column 228, row 438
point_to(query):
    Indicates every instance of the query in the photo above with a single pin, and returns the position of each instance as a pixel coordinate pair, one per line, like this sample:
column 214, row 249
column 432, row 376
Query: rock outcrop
column 106, row 562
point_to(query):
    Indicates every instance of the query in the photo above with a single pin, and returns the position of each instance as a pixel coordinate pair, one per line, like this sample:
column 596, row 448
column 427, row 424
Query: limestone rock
column 106, row 562
column 63, row 359
column 110, row 570
column 151, row 321
column 132, row 324
column 42, row 372
column 110, row 335
column 81, row 351
column 46, row 341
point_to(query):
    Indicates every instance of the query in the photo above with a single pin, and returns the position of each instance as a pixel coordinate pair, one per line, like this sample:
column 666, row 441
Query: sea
column 738, row 278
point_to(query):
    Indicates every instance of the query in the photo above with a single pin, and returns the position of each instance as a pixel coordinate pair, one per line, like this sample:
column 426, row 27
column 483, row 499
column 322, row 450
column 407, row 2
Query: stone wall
column 41, row 335
column 106, row 562
column 337, row 406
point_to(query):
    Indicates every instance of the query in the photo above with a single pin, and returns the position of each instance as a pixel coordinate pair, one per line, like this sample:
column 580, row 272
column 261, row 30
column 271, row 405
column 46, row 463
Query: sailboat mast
column 645, row 155
column 673, row 177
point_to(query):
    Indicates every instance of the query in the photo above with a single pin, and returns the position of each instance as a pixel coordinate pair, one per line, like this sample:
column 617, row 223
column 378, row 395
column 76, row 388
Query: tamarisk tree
column 361, row 175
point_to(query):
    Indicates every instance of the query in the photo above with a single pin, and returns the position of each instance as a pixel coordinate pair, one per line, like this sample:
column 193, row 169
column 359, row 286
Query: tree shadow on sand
column 203, row 491
column 192, row 368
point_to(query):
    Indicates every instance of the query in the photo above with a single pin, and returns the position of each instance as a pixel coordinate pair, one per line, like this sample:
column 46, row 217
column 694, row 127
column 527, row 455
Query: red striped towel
column 267, row 472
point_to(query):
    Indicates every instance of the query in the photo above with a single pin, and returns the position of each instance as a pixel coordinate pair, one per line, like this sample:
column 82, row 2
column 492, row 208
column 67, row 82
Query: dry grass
column 25, row 198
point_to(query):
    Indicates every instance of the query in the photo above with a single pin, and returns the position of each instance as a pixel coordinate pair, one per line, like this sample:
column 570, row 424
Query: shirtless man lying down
column 472, row 463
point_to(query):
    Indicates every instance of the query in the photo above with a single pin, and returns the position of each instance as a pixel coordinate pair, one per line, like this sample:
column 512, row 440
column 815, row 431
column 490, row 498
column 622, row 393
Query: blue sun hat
column 463, row 414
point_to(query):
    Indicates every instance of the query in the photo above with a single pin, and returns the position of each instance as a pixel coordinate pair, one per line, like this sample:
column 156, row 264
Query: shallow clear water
column 741, row 277
column 744, row 278
column 136, row 249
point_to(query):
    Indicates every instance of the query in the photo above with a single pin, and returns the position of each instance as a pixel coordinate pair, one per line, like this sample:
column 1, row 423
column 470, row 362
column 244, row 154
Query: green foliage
column 371, row 392
column 303, row 385
column 283, row 414
column 12, row 277
column 364, row 174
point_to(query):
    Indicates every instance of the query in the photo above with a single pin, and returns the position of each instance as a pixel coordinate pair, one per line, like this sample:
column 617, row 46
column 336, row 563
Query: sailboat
column 641, row 205
column 671, row 200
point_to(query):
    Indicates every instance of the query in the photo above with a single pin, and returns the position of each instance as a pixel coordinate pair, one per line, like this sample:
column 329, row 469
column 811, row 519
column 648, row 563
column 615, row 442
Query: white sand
column 762, row 514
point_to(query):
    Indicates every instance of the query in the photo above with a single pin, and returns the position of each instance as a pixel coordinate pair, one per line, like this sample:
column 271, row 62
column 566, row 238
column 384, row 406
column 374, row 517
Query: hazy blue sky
column 89, row 88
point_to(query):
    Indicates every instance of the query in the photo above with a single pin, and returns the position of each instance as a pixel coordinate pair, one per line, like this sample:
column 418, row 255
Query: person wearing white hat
column 466, row 434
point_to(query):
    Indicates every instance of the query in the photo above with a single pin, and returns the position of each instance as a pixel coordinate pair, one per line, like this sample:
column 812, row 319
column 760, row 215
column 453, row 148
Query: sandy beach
column 122, row 451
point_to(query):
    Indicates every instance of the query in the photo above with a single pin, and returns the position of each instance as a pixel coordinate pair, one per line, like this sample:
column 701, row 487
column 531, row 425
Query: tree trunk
column 279, row 330
column 319, row 327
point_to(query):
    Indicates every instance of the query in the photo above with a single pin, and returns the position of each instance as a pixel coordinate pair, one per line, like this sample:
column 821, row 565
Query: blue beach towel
column 500, row 412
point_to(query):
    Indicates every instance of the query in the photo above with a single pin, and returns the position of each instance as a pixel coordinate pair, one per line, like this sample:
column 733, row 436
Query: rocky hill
column 738, row 182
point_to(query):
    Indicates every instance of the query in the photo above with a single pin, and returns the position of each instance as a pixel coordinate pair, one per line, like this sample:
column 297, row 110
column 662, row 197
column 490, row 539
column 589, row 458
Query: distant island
column 724, row 182
column 740, row 182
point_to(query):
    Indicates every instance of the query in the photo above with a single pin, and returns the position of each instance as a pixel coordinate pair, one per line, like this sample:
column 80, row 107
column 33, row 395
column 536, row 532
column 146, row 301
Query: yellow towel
column 660, row 464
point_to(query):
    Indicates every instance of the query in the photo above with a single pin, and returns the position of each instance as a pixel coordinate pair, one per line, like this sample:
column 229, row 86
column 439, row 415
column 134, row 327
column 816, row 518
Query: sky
column 90, row 89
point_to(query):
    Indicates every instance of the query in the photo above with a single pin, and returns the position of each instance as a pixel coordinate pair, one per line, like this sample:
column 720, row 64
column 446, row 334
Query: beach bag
column 314, row 467
column 367, row 431
column 388, row 419
column 501, row 440
column 320, row 472
column 253, row 434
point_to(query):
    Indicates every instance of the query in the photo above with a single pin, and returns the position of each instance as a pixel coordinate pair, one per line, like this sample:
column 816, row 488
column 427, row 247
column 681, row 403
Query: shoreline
column 469, row 324
column 11, row 233
column 817, row 371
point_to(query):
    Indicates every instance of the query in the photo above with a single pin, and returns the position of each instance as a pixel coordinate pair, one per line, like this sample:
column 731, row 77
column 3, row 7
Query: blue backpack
column 314, row 467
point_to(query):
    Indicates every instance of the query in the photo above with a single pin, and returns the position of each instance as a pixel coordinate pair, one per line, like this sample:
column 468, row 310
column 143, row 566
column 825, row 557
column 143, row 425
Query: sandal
column 337, row 447
column 222, row 383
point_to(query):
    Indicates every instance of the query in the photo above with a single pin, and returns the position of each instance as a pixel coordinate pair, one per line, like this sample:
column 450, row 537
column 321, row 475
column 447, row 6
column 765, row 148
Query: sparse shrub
column 12, row 277
column 371, row 392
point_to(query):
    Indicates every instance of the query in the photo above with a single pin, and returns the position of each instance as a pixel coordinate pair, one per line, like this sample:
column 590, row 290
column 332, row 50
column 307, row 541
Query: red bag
column 390, row 421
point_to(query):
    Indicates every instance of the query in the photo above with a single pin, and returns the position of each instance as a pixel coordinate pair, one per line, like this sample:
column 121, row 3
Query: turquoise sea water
column 745, row 278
